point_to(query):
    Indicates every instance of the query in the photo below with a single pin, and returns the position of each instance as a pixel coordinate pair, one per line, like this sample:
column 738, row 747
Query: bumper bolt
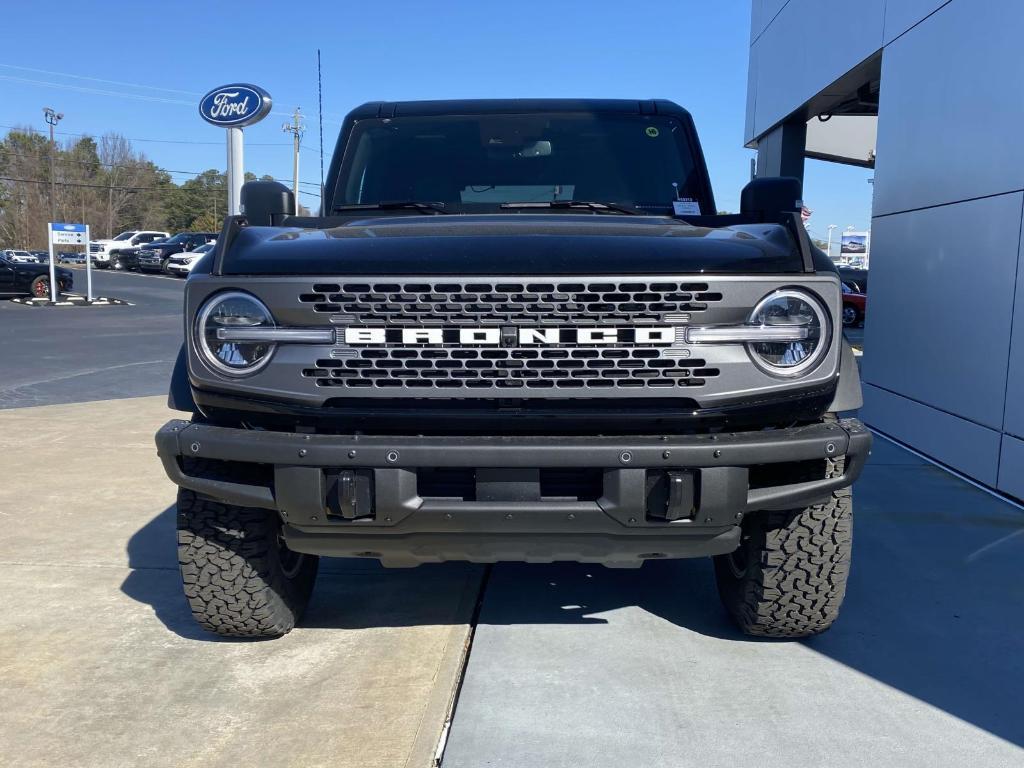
column 830, row 448
column 447, row 515
column 717, row 454
column 632, row 519
column 391, row 457
column 194, row 447
column 351, row 454
column 302, row 452
column 625, row 457
column 572, row 516
column 508, row 516
column 666, row 454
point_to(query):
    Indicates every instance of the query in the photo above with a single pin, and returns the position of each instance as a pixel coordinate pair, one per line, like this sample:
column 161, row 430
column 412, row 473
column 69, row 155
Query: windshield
column 475, row 163
column 125, row 235
column 176, row 239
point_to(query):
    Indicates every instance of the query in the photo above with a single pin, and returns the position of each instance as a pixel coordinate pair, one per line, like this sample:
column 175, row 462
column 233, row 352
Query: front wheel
column 240, row 578
column 40, row 287
column 788, row 577
column 851, row 315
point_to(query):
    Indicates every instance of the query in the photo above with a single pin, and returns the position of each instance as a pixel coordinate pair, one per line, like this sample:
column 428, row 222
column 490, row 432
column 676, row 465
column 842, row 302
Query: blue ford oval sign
column 235, row 106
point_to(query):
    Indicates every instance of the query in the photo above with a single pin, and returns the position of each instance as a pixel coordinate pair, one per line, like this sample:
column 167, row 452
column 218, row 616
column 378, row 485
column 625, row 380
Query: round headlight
column 233, row 311
column 801, row 312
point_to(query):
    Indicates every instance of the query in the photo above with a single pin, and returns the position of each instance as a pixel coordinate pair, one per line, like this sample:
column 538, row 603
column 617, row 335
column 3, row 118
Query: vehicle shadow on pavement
column 349, row 594
column 933, row 606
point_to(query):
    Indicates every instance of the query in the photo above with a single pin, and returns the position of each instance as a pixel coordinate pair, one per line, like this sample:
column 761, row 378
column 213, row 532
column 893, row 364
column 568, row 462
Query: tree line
column 103, row 182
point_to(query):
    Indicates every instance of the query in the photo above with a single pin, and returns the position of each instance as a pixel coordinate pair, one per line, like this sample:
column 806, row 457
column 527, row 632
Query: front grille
column 508, row 369
column 95, row 247
column 498, row 303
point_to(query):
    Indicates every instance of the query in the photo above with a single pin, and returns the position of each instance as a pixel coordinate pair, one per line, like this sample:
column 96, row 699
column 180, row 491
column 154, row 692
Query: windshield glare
column 475, row 163
column 125, row 236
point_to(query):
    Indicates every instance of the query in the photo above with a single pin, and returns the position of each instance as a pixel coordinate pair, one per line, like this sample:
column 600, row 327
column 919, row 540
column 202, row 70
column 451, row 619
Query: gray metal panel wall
column 964, row 445
column 1013, row 422
column 951, row 112
column 1011, row 467
column 938, row 327
column 944, row 362
column 901, row 15
column 805, row 47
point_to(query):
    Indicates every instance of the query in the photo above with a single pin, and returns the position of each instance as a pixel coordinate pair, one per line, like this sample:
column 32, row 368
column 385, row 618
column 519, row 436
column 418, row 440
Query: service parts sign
column 235, row 106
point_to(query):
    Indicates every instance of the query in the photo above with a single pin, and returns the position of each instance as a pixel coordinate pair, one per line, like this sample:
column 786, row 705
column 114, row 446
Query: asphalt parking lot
column 567, row 665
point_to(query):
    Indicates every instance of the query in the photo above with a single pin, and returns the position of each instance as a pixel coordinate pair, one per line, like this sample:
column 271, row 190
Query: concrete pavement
column 102, row 665
column 77, row 354
column 581, row 666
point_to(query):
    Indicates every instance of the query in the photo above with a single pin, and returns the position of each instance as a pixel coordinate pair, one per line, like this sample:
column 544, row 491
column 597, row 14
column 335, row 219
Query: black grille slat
column 455, row 303
column 495, row 369
column 598, row 303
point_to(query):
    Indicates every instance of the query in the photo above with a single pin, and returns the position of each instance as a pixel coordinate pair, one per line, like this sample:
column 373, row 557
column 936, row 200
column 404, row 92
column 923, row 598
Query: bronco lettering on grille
column 525, row 337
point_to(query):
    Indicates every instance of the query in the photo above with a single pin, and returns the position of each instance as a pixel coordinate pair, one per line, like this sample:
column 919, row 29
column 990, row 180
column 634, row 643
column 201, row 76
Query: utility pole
column 52, row 118
column 296, row 129
column 829, row 249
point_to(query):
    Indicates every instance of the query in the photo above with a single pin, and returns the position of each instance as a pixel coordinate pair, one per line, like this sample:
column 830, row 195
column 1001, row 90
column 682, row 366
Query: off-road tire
column 115, row 263
column 240, row 579
column 788, row 577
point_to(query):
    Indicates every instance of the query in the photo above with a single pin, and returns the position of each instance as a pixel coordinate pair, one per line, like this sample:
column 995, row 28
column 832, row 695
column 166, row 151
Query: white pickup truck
column 101, row 250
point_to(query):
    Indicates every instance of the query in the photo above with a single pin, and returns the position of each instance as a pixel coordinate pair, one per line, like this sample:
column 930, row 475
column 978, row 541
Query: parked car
column 854, row 306
column 182, row 264
column 103, row 250
column 70, row 257
column 128, row 258
column 43, row 257
column 855, row 278
column 19, row 257
column 21, row 278
column 156, row 256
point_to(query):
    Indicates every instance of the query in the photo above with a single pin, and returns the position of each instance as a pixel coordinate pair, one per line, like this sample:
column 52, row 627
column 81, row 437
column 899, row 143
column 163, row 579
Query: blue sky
column 163, row 56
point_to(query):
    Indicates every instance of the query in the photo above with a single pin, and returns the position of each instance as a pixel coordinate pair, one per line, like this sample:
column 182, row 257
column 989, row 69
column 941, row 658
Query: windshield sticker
column 651, row 131
column 686, row 206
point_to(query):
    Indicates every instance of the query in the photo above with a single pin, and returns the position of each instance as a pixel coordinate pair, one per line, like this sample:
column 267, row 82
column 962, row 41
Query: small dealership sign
column 235, row 106
column 854, row 243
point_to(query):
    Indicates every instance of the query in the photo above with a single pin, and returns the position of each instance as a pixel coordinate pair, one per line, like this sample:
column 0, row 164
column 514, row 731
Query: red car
column 854, row 306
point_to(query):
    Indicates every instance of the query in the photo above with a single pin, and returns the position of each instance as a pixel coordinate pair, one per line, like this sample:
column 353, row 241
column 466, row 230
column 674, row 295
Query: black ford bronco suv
column 517, row 331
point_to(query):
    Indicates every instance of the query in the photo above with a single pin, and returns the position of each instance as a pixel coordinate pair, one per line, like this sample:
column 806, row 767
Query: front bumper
column 303, row 476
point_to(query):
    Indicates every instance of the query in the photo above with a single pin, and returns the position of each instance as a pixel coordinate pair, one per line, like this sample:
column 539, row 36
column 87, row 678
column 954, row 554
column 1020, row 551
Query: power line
column 99, row 80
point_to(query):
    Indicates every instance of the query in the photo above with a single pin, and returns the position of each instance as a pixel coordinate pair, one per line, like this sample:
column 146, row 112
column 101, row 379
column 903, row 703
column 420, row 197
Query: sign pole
column 233, row 107
column 53, row 268
column 236, row 170
column 88, row 267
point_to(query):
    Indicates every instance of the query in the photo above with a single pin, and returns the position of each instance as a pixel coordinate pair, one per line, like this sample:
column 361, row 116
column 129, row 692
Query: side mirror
column 768, row 199
column 266, row 203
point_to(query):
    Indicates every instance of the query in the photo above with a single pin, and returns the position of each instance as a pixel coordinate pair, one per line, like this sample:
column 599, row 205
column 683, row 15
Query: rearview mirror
column 266, row 203
column 767, row 199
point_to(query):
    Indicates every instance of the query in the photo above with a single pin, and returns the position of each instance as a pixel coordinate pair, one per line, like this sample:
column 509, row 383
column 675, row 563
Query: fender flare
column 179, row 396
column 848, row 395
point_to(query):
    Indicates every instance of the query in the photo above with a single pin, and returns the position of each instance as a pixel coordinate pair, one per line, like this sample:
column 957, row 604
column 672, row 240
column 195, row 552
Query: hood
column 513, row 244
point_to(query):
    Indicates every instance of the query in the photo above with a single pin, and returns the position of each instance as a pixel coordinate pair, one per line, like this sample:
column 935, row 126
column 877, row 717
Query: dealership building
column 928, row 93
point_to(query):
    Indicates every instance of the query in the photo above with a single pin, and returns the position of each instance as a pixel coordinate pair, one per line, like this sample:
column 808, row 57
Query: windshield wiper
column 394, row 205
column 588, row 204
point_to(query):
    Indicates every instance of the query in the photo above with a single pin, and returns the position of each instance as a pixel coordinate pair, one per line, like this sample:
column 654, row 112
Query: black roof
column 512, row 106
